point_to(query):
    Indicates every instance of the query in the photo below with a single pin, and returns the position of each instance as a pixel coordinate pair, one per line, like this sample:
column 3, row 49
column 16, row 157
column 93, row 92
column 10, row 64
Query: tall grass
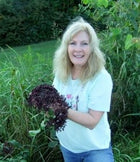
column 22, row 134
column 22, row 69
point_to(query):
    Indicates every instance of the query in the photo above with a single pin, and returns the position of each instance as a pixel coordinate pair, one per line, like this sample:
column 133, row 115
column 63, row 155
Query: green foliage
column 31, row 21
column 22, row 133
column 121, row 149
column 99, row 3
column 120, row 42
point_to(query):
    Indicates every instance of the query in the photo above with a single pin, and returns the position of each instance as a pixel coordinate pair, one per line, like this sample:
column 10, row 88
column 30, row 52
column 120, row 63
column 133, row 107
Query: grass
column 44, row 48
column 22, row 68
column 126, row 147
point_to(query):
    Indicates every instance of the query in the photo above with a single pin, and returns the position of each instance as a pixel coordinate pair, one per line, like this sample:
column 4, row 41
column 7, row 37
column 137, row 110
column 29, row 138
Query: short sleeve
column 54, row 82
column 99, row 97
column 57, row 85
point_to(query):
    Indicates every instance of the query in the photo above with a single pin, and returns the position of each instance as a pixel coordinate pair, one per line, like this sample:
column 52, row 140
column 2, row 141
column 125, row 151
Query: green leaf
column 43, row 125
column 128, row 41
column 90, row 2
column 50, row 113
column 115, row 32
column 23, row 160
column 15, row 143
column 33, row 133
column 52, row 133
column 103, row 3
column 85, row 1
column 136, row 41
column 133, row 114
column 52, row 144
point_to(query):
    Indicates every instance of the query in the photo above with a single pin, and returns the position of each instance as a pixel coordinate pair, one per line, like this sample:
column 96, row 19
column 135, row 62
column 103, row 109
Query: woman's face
column 79, row 49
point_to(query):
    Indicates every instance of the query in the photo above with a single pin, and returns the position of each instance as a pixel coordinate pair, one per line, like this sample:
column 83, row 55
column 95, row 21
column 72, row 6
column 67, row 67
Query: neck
column 76, row 72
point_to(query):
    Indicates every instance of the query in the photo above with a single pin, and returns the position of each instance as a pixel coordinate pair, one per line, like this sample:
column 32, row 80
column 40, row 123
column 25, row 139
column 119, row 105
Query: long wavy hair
column 62, row 65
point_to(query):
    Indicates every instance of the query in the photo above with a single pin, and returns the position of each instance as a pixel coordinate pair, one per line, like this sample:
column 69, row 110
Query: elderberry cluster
column 46, row 97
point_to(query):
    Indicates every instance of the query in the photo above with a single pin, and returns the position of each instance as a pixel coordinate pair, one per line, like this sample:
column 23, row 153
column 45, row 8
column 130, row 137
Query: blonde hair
column 62, row 64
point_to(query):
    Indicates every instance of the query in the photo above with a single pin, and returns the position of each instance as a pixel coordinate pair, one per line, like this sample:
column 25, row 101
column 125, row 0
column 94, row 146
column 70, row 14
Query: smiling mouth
column 79, row 56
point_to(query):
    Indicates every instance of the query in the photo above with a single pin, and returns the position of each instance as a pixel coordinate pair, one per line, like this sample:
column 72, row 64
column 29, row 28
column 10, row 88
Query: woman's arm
column 88, row 120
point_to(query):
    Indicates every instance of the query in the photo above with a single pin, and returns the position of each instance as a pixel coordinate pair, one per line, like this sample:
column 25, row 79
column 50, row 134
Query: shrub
column 121, row 43
column 32, row 21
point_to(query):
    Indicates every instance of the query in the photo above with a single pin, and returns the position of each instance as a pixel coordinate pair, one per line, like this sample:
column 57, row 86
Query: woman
column 80, row 76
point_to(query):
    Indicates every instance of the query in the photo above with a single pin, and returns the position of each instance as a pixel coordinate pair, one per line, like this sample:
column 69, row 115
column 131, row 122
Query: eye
column 72, row 43
column 84, row 43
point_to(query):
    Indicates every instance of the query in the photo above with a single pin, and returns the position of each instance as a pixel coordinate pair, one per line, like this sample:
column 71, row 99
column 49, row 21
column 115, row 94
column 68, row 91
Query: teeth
column 78, row 56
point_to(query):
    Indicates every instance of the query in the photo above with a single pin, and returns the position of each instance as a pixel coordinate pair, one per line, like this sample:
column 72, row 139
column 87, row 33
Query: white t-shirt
column 96, row 95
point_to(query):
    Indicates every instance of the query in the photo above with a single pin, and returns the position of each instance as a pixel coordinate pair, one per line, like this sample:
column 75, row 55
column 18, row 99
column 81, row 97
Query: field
column 21, row 69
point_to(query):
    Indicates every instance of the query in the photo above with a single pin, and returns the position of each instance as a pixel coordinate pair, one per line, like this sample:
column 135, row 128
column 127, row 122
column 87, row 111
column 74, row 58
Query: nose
column 78, row 47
